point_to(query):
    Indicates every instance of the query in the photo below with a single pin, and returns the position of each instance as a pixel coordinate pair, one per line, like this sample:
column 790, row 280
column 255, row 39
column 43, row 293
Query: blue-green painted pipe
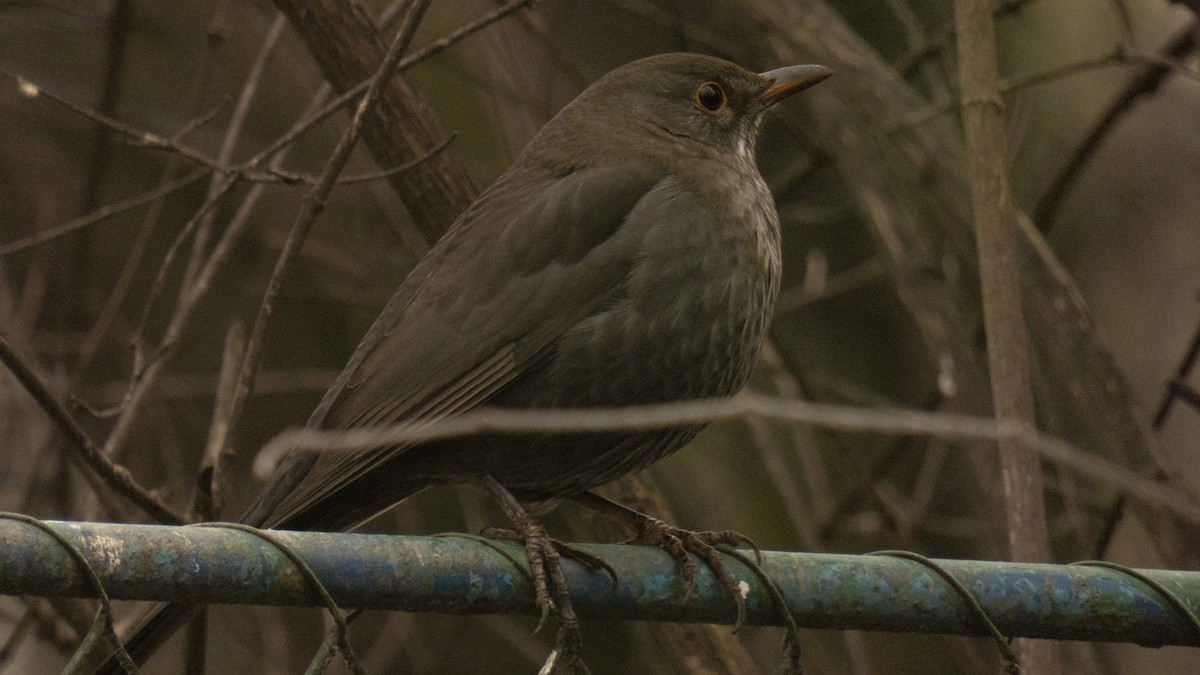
column 460, row 575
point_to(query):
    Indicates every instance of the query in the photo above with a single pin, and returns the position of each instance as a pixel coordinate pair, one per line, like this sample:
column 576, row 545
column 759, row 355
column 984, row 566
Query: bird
column 630, row 255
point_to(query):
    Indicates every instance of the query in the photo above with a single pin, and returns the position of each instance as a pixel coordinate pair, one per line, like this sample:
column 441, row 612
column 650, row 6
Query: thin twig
column 933, row 74
column 211, row 202
column 1121, row 55
column 137, row 136
column 945, row 36
column 146, row 375
column 1186, row 363
column 200, row 225
column 1185, row 393
column 200, row 119
column 146, row 369
column 120, row 288
column 1145, row 83
column 307, row 179
column 233, row 133
column 869, row 271
column 108, row 210
column 115, row 475
column 209, row 500
column 247, row 170
column 466, row 30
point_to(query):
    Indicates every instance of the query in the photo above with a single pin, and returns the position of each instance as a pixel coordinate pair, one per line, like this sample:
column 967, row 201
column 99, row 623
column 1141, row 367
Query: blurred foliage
column 879, row 306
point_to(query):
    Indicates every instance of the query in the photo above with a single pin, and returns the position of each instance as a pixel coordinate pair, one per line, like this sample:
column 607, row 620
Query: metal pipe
column 461, row 574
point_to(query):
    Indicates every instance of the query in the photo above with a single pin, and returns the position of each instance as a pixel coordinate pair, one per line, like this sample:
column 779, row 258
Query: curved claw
column 678, row 543
column 589, row 560
column 566, row 655
column 542, row 617
column 712, row 556
column 536, row 545
column 657, row 533
column 545, row 566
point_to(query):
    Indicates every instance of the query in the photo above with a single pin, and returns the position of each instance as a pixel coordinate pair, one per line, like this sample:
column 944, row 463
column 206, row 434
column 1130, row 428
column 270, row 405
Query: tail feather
column 343, row 510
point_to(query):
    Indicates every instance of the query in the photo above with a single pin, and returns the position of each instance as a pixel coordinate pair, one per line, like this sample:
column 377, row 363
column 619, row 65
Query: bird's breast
column 689, row 319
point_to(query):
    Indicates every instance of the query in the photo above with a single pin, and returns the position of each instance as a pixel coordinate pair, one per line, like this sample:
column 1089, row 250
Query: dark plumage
column 630, row 255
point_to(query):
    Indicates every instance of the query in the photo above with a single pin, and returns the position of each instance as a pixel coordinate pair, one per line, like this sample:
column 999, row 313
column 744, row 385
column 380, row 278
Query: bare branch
column 108, row 210
column 209, row 499
column 116, row 476
column 1007, row 338
column 314, row 202
column 1122, row 55
column 947, row 426
column 1143, row 84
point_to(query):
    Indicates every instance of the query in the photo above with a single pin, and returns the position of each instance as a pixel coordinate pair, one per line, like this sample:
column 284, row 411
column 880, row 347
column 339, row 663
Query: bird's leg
column 678, row 543
column 547, row 571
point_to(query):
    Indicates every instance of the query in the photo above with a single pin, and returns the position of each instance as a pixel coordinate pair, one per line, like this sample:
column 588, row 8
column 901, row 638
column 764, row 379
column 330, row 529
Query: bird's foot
column 678, row 543
column 589, row 560
column 549, row 583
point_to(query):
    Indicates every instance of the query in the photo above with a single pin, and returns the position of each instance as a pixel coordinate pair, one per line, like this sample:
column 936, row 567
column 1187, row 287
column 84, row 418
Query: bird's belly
column 538, row 468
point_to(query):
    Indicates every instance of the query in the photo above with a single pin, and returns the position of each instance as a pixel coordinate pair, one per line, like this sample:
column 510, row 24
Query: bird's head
column 688, row 97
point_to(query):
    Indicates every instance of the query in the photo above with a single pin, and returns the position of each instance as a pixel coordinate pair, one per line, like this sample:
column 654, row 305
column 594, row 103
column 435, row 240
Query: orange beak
column 789, row 80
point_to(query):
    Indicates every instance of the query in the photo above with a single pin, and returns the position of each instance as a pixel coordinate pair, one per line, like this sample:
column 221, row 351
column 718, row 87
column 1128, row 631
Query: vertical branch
column 196, row 282
column 1007, row 337
column 216, row 38
column 72, row 284
column 208, row 501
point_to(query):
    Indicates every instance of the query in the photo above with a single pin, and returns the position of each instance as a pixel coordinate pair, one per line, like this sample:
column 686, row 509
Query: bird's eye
column 710, row 96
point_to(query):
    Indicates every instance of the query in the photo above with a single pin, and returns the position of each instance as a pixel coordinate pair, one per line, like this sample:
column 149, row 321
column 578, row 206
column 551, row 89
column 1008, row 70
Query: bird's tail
column 340, row 510
column 154, row 630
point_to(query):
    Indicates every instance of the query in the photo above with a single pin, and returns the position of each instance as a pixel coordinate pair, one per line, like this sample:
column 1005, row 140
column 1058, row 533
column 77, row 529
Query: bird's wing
column 528, row 260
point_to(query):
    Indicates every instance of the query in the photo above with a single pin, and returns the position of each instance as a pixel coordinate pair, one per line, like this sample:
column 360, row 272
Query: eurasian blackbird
column 630, row 255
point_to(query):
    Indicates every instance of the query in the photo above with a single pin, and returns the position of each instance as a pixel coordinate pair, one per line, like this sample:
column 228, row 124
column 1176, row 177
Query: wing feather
column 531, row 258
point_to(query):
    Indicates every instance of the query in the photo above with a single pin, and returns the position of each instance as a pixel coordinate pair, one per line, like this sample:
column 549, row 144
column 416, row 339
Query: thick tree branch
column 347, row 47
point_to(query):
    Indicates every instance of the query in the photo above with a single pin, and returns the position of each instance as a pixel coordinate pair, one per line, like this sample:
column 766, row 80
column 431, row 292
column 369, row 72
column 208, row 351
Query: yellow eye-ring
column 710, row 96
